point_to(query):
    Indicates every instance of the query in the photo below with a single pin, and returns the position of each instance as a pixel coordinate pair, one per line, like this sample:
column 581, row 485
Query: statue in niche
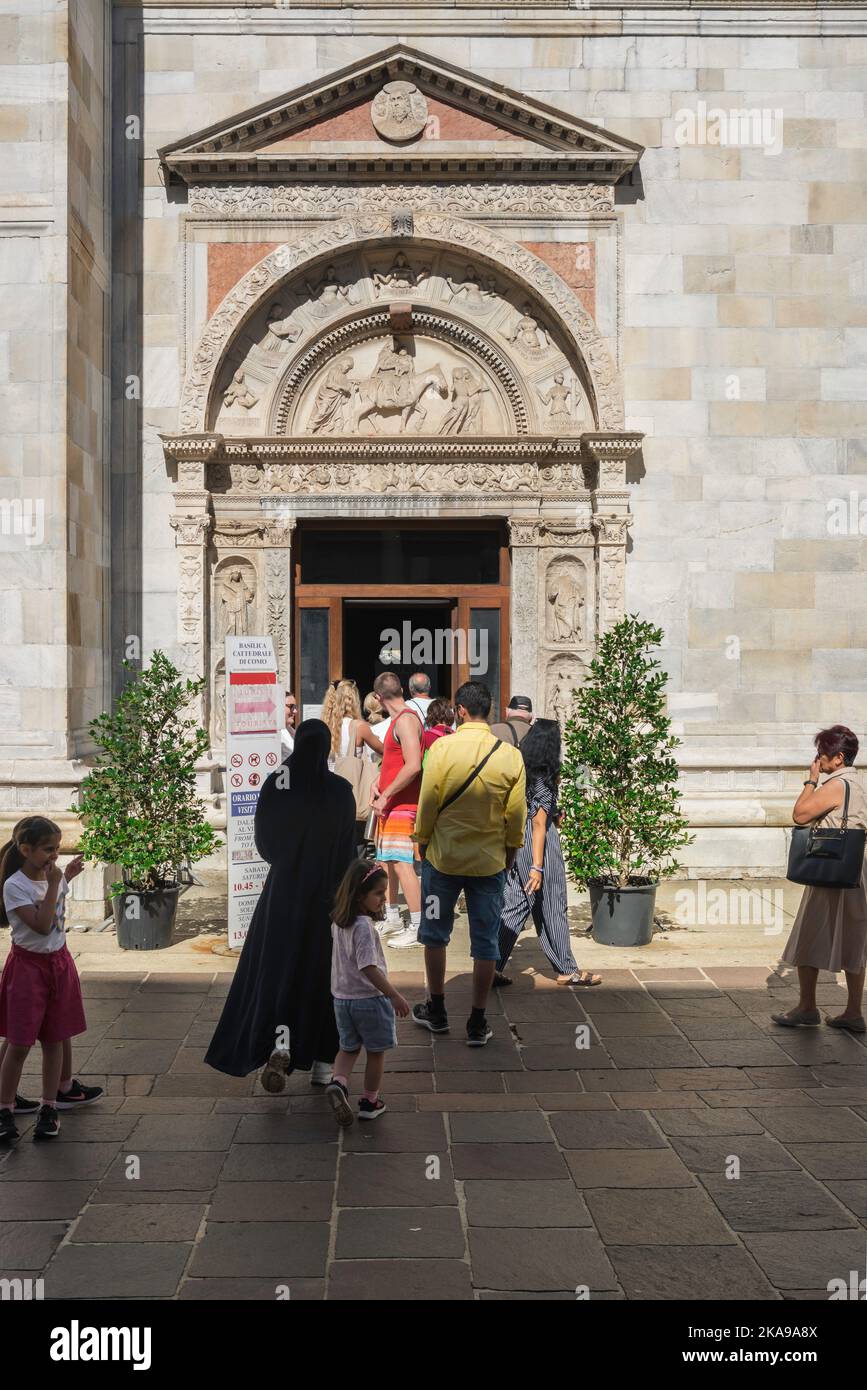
column 280, row 329
column 400, row 278
column 329, row 291
column 558, row 399
column 528, row 333
column 564, row 603
column 467, row 392
column 470, row 291
column 561, row 698
column 332, row 397
column 239, row 393
column 235, row 598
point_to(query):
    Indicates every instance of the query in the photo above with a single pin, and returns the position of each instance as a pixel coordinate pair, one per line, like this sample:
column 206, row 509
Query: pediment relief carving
column 399, row 108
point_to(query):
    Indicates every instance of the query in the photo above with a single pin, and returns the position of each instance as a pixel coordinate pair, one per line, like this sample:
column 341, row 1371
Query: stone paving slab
column 767, row 1202
column 516, row 1171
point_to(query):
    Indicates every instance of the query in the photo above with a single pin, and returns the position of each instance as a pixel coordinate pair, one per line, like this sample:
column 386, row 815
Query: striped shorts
column 394, row 843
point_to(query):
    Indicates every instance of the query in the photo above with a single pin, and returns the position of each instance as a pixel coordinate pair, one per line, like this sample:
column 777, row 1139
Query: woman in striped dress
column 537, row 882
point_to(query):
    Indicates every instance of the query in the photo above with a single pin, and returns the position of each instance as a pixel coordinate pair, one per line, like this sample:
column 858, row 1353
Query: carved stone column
column 191, row 537
column 524, row 540
column 566, row 619
column 278, row 591
column 611, row 521
column 192, row 525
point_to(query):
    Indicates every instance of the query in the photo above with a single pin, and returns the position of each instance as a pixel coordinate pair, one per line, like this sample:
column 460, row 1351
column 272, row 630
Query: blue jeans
column 367, row 1023
column 484, row 895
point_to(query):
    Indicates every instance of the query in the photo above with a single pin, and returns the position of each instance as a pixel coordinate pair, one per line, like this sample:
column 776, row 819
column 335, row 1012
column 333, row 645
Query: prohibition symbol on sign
column 271, row 759
column 253, row 759
column 237, row 780
column 236, row 760
column 253, row 779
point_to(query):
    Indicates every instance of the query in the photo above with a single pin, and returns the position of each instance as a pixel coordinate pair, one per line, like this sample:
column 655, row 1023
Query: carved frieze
column 275, row 200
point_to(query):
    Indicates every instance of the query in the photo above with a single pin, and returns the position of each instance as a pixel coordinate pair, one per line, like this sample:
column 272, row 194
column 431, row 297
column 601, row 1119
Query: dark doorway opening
column 369, row 629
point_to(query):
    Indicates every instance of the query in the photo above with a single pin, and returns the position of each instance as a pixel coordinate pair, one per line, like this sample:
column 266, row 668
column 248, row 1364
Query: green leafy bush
column 139, row 804
column 621, row 819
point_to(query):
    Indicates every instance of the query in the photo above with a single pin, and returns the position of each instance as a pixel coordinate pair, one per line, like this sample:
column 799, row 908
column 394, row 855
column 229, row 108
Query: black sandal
column 500, row 981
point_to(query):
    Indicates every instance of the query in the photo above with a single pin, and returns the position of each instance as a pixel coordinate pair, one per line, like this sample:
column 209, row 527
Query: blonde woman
column 341, row 711
column 374, row 713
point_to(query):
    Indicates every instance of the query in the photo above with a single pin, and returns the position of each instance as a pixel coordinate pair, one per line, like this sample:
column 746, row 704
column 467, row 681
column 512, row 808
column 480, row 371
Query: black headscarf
column 308, row 762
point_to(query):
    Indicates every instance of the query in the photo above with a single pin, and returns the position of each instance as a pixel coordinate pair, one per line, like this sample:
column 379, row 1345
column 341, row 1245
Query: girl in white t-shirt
column 40, row 993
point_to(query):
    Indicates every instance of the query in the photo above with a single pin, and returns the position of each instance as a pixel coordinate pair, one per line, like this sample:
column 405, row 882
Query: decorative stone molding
column 192, row 529
column 236, row 533
column 498, row 253
column 494, row 199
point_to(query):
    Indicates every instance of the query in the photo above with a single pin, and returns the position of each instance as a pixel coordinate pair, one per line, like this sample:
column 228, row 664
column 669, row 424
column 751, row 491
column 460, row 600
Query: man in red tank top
column 395, row 801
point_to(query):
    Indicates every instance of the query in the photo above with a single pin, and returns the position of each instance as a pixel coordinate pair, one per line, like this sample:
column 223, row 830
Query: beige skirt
column 830, row 929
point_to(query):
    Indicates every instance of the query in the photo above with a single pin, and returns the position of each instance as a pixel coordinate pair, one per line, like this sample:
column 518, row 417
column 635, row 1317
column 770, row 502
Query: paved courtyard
column 526, row 1169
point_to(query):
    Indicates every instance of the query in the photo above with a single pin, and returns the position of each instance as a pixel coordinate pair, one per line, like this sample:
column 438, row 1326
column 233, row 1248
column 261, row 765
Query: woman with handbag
column 830, row 929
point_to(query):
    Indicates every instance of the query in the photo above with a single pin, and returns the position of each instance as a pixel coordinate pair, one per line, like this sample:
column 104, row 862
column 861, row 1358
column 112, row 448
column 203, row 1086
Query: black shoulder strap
column 472, row 777
column 515, row 739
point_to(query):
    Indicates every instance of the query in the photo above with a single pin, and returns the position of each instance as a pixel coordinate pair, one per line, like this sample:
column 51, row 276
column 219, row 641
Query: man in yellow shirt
column 469, row 827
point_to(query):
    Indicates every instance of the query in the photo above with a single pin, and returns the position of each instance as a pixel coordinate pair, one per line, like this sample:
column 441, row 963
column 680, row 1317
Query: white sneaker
column 389, row 928
column 320, row 1073
column 408, row 937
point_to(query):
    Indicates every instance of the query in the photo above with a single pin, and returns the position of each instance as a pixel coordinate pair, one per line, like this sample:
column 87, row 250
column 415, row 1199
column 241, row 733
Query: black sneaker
column 478, row 1033
column 25, row 1107
column 77, row 1096
column 47, row 1123
column 370, row 1110
column 426, row 1016
column 8, row 1127
column 338, row 1099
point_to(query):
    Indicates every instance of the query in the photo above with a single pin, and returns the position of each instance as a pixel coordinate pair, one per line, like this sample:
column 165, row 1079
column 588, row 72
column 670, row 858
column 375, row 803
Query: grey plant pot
column 622, row 916
column 145, row 921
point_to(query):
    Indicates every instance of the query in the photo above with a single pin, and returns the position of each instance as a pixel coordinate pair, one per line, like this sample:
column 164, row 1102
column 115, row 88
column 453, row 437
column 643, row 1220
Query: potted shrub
column 139, row 804
column 621, row 823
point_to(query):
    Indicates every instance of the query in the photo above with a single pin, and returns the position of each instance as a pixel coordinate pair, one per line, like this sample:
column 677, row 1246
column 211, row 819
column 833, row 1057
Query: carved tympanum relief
column 485, row 328
column 393, row 386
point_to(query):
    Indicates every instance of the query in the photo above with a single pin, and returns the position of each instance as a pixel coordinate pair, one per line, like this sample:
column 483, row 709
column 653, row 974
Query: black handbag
column 829, row 858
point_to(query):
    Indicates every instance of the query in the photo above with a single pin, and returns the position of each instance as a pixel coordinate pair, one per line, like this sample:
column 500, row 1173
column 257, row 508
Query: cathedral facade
column 492, row 325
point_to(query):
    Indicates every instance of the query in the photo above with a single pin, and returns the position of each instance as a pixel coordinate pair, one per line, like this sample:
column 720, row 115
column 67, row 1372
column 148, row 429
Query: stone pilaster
column 278, row 588
column 524, row 541
column 611, row 520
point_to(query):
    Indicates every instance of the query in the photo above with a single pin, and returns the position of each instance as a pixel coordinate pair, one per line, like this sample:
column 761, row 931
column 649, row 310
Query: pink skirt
column 40, row 997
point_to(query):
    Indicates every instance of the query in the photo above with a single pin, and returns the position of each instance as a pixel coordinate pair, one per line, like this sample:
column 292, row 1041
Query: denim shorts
column 484, row 895
column 367, row 1023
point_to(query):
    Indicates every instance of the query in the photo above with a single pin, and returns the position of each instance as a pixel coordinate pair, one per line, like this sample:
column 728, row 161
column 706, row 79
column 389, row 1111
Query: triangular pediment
column 400, row 111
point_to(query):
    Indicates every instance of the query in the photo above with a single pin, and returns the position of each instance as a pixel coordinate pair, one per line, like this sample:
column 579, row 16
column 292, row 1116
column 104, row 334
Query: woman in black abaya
column 305, row 829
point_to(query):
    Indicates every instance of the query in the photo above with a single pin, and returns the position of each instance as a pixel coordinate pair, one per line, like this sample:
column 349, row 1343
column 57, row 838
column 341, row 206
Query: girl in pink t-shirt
column 365, row 1003
column 40, row 993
